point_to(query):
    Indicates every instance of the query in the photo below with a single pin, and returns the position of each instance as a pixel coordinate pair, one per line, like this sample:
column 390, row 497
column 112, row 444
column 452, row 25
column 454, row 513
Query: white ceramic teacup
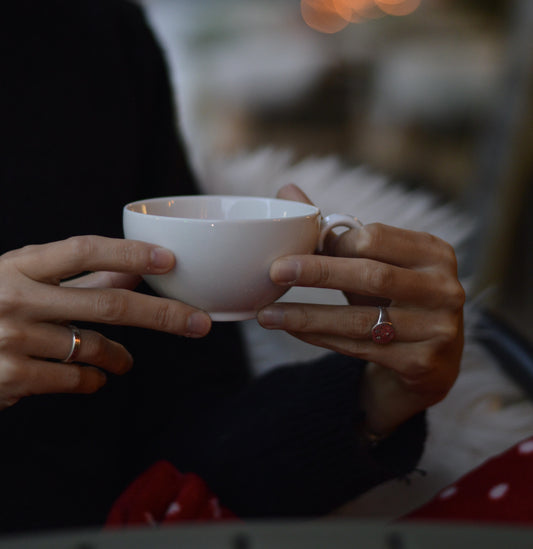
column 224, row 246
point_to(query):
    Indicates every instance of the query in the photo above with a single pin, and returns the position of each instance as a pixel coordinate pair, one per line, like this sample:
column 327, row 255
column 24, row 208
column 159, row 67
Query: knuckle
column 12, row 255
column 9, row 299
column 453, row 295
column 447, row 330
column 448, row 255
column 316, row 272
column 111, row 306
column 378, row 278
column 6, row 257
column 445, row 252
column 11, row 373
column 130, row 255
column 432, row 241
column 430, row 376
column 370, row 237
column 81, row 247
column 321, row 272
column 456, row 295
column 12, row 294
column 439, row 247
column 164, row 317
column 419, row 365
column 10, row 336
column 299, row 319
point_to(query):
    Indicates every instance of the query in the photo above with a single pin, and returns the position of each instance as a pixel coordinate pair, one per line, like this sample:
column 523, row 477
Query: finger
column 58, row 260
column 400, row 247
column 389, row 355
column 53, row 341
column 105, row 279
column 420, row 366
column 122, row 307
column 31, row 377
column 415, row 363
column 293, row 192
column 410, row 325
column 365, row 277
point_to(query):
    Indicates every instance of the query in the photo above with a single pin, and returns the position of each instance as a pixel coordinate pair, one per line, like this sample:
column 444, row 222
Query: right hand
column 35, row 308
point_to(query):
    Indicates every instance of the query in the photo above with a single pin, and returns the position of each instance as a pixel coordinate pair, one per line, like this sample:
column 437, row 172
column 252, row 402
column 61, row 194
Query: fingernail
column 198, row 325
column 161, row 258
column 285, row 271
column 271, row 317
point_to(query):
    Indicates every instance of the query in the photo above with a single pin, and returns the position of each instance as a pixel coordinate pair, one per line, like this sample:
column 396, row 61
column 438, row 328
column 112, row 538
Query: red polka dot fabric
column 164, row 495
column 498, row 491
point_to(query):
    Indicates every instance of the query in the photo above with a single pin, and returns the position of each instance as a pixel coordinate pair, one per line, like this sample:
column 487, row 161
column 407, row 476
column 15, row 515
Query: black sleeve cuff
column 288, row 445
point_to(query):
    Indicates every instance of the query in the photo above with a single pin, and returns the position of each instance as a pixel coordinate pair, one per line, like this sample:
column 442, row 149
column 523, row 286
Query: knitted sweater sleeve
column 288, row 444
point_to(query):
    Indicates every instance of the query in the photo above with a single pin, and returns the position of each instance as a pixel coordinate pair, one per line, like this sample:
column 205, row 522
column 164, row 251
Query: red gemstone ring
column 383, row 331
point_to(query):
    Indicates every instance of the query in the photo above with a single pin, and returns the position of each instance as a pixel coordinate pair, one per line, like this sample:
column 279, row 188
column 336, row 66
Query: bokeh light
column 398, row 7
column 323, row 16
column 330, row 16
column 356, row 11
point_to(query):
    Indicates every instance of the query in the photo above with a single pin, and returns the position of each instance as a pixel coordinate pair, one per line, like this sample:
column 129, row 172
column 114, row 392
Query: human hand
column 415, row 275
column 35, row 308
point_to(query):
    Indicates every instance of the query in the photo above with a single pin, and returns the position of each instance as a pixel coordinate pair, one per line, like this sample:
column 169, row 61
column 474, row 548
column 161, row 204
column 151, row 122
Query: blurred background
column 433, row 93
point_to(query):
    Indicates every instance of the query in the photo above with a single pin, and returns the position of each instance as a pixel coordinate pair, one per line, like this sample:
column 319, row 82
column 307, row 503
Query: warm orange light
column 398, row 7
column 330, row 16
column 342, row 8
column 356, row 11
column 322, row 16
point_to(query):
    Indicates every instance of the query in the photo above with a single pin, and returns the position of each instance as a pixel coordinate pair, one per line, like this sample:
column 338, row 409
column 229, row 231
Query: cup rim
column 312, row 210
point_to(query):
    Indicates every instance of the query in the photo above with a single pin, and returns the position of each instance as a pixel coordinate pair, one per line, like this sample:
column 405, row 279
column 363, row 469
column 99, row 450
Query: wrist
column 385, row 401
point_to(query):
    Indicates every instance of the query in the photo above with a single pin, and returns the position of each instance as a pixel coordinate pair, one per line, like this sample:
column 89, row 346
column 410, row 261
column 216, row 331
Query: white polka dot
column 173, row 509
column 448, row 492
column 498, row 491
column 526, row 447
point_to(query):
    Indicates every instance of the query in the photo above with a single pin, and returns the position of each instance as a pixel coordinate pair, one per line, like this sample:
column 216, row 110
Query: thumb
column 293, row 192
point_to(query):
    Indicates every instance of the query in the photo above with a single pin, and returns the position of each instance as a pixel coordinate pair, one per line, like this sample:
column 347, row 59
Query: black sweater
column 86, row 125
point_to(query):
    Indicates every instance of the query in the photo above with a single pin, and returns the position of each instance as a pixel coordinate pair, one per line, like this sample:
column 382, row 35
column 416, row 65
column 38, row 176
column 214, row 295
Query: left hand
column 415, row 275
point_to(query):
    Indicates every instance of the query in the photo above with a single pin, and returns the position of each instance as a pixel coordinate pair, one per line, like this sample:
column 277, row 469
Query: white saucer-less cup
column 224, row 246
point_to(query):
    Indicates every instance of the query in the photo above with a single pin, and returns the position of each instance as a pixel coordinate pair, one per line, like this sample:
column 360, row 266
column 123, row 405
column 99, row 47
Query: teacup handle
column 335, row 220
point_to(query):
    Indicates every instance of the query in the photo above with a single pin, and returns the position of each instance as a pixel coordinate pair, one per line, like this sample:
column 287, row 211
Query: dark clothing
column 86, row 125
